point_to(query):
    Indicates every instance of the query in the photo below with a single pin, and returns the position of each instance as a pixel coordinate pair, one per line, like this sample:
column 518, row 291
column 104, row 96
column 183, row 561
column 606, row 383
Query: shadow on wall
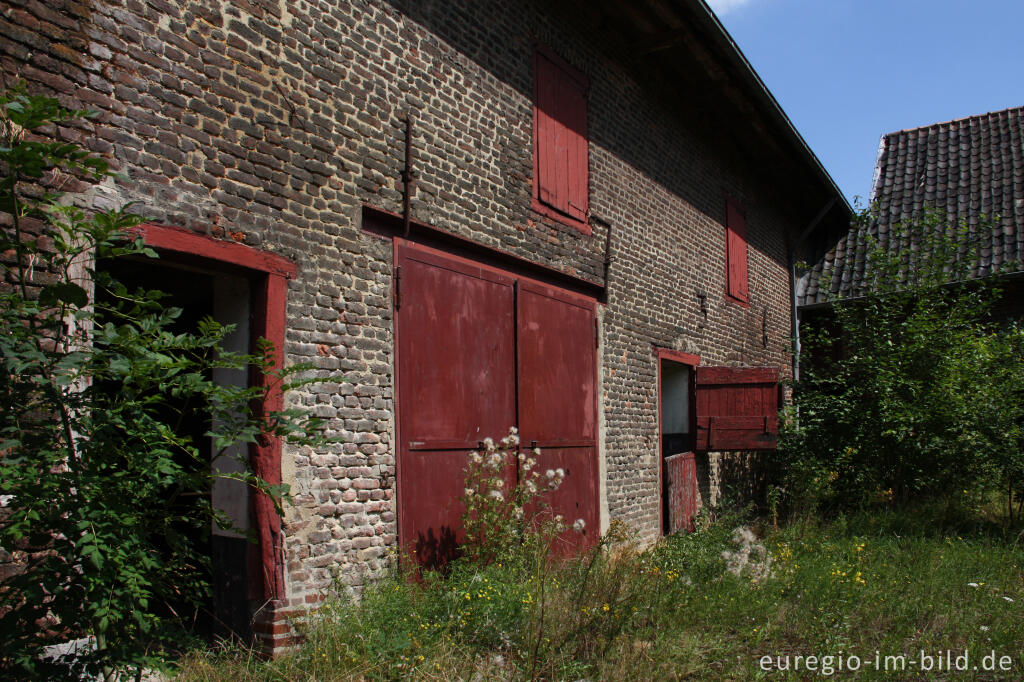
column 436, row 551
column 735, row 477
column 654, row 128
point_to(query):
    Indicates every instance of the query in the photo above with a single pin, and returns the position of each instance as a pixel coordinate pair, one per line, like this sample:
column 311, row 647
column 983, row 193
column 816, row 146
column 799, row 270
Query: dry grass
column 893, row 583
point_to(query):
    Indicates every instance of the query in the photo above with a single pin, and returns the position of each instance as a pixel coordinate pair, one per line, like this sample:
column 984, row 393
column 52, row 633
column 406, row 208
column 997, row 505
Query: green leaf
column 64, row 292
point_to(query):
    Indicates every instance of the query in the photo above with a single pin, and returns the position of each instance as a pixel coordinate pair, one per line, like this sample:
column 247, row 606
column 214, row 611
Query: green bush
column 94, row 474
column 909, row 391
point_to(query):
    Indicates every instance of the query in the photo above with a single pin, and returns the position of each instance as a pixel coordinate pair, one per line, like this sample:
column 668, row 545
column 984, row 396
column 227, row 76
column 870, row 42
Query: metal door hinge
column 398, row 287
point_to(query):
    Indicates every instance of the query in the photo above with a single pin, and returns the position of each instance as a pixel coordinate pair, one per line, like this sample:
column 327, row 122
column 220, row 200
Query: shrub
column 909, row 392
column 94, row 474
column 506, row 513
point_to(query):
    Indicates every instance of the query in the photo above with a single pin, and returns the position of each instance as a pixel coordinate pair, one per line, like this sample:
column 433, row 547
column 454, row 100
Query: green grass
column 891, row 582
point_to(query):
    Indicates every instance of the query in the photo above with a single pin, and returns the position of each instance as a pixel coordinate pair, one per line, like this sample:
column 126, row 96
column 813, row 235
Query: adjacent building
column 969, row 171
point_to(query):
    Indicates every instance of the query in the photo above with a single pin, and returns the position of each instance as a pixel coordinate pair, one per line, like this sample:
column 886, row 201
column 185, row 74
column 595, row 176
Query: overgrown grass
column 889, row 582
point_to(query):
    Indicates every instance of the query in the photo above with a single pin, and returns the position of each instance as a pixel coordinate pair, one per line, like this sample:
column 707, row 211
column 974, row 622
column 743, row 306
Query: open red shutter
column 737, row 408
column 736, row 251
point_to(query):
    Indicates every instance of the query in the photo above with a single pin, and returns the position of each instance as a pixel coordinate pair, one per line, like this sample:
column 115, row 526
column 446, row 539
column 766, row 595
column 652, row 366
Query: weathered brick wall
column 272, row 123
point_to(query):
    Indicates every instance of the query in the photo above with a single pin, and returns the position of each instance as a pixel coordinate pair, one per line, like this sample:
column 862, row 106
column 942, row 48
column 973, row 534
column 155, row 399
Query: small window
column 560, row 146
column 736, row 252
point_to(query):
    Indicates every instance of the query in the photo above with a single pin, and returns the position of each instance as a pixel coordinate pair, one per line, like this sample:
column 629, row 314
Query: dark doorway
column 225, row 297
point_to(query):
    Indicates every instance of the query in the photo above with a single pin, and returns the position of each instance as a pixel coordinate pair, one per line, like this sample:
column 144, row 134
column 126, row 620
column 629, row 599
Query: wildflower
column 536, row 452
column 489, row 444
column 494, row 460
column 550, row 473
column 579, row 525
column 469, row 492
column 975, row 585
column 513, row 430
column 559, row 518
column 500, row 483
column 606, row 607
column 517, row 513
column 475, row 457
column 530, row 486
column 560, row 473
column 496, row 494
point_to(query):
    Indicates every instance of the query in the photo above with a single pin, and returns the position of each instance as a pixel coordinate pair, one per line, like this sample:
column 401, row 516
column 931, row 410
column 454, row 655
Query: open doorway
column 677, row 417
column 225, row 296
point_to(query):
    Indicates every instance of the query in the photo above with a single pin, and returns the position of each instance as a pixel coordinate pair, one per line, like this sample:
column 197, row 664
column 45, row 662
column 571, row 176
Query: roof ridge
column 940, row 124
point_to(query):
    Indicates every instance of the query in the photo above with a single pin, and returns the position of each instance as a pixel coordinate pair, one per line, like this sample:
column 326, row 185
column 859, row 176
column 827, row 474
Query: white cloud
column 723, row 7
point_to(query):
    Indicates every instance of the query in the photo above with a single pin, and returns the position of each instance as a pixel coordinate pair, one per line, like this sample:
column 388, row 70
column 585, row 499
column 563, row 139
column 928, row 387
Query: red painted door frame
column 691, row 360
column 269, row 274
column 399, row 246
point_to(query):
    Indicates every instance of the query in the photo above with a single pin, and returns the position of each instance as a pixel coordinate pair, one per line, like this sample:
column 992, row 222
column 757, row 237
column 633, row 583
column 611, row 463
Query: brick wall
column 273, row 123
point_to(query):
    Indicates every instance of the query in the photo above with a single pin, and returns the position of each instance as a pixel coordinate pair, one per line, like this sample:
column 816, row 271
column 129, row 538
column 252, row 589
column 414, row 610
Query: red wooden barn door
column 557, row 394
column 480, row 350
column 456, row 385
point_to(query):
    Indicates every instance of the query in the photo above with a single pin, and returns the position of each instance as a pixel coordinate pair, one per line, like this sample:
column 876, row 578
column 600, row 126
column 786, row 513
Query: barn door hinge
column 398, row 287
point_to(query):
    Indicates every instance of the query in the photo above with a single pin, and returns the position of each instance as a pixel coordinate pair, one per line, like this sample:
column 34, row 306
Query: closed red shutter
column 737, row 408
column 736, row 251
column 560, row 138
column 547, row 131
column 574, row 106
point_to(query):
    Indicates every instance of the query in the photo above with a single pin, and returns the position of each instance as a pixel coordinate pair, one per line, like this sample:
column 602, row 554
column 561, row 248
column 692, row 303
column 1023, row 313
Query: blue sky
column 848, row 71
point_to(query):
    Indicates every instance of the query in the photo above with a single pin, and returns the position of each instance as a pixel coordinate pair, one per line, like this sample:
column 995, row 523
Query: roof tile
column 973, row 168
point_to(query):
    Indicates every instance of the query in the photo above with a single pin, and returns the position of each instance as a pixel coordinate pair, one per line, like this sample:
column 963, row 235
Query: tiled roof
column 971, row 168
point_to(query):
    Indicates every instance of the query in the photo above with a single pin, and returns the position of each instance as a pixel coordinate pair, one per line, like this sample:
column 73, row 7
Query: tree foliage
column 103, row 496
column 911, row 390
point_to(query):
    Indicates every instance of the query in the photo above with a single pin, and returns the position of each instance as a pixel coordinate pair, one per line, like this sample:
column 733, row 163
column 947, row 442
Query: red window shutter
column 560, row 137
column 736, row 251
column 574, row 106
column 546, row 131
column 737, row 408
